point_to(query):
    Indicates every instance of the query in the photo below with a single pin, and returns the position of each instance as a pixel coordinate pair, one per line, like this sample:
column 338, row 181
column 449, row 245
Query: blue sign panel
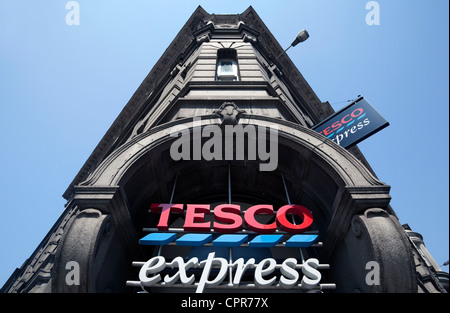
column 352, row 124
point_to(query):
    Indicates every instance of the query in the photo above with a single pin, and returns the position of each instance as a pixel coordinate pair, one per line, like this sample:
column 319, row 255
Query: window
column 227, row 67
column 227, row 70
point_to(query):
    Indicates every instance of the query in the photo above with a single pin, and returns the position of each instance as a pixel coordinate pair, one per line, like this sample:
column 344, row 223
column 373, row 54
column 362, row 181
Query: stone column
column 98, row 244
column 367, row 245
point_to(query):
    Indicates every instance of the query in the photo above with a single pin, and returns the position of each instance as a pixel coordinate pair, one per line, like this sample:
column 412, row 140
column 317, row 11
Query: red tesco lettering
column 344, row 120
column 228, row 219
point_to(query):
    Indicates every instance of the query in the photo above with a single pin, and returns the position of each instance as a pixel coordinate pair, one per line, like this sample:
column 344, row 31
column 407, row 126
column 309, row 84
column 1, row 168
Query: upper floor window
column 227, row 66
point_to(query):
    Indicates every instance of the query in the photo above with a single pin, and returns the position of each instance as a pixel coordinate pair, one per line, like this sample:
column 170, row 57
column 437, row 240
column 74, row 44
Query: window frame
column 227, row 56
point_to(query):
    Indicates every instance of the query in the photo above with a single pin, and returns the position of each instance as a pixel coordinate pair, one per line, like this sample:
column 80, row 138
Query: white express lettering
column 152, row 266
column 150, row 272
column 351, row 130
column 311, row 275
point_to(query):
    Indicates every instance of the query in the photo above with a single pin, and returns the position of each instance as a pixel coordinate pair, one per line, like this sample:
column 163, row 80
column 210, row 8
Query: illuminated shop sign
column 149, row 273
column 228, row 217
column 352, row 124
column 227, row 230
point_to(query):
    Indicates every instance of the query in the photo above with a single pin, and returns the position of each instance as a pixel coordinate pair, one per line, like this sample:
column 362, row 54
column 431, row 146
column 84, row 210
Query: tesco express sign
column 228, row 218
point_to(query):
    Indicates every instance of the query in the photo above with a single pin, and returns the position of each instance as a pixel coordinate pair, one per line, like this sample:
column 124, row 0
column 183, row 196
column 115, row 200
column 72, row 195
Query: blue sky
column 62, row 86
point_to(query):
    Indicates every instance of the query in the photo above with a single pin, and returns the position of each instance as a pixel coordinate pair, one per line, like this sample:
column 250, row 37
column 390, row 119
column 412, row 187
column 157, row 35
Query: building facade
column 212, row 179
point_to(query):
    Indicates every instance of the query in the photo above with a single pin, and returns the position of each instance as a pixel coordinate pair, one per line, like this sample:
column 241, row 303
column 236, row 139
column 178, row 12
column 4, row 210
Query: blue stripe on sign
column 265, row 241
column 301, row 241
column 360, row 117
column 158, row 239
column 230, row 240
column 194, row 240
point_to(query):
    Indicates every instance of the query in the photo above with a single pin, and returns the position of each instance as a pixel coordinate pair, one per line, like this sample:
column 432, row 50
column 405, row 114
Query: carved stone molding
column 81, row 244
column 374, row 256
column 110, row 200
column 229, row 113
column 353, row 200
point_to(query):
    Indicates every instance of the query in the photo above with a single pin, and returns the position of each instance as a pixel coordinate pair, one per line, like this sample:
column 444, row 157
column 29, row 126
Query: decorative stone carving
column 229, row 113
column 205, row 37
column 81, row 244
column 374, row 236
column 249, row 38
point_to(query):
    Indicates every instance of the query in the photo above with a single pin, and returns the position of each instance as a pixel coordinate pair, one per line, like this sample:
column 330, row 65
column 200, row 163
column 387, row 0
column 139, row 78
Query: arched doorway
column 112, row 204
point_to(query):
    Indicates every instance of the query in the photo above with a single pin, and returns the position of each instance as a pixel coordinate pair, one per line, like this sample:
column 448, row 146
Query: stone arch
column 352, row 173
column 314, row 167
column 322, row 175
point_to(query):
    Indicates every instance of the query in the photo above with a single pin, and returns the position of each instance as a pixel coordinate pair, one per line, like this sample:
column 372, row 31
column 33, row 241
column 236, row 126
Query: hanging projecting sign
column 352, row 124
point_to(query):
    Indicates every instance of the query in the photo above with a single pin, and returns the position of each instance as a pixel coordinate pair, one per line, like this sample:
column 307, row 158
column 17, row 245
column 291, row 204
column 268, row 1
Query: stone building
column 219, row 71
